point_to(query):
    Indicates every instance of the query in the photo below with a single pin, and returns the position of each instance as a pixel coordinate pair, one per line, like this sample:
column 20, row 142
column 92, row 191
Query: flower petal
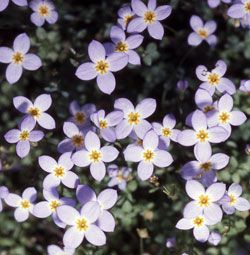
column 47, row 163
column 192, row 210
column 237, row 118
column 163, row 158
column 22, row 43
column 106, row 222
column 187, row 137
column 201, row 234
column 31, row 62
column 138, row 7
column 86, row 71
column 146, row 107
column 194, row 39
column 106, row 83
column 163, row 12
column 107, row 198
column 133, row 153
column 5, row 54
column 219, row 161
column 145, row 170
column 184, row 224
column 109, row 153
column 236, row 189
column 156, row 30
column 136, row 25
column 73, row 238
column 67, row 214
column 117, row 61
column 22, row 148
column 96, row 51
column 12, row 136
column 194, row 189
column 95, row 236
column 151, row 140
column 98, row 170
column 216, row 191
column 22, row 103
column 81, row 158
column 71, row 180
column 13, row 73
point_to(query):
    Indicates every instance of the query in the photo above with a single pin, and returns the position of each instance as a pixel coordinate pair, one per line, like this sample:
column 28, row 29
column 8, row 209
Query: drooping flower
column 215, row 3
column 245, row 86
column 107, row 123
column 214, row 238
column 44, row 10
column 74, row 140
column 46, row 208
column 81, row 114
column 36, row 110
column 232, row 200
column 125, row 16
column 202, row 31
column 204, row 101
column 201, row 136
column 148, row 155
column 166, row 130
column 214, row 80
column 134, row 117
column 118, row 176
column 23, row 136
column 58, row 171
column 148, row 17
column 95, row 156
column 56, row 250
column 240, row 10
column 204, row 201
column 198, row 224
column 23, row 204
column 205, row 167
column 4, row 192
column 4, row 3
column 82, row 224
column 224, row 116
column 106, row 200
column 125, row 45
column 101, row 67
column 19, row 58
column 182, row 85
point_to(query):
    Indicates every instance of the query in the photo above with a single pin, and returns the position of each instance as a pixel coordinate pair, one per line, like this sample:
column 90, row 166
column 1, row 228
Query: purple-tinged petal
column 13, row 200
column 65, row 146
column 28, row 123
column 169, row 121
column 151, row 140
column 201, row 72
column 31, row 62
column 123, row 129
column 146, row 107
column 114, row 118
column 156, row 30
column 5, row 54
column 67, row 214
column 228, row 209
column 133, row 153
column 37, row 19
column 208, row 178
column 134, row 58
column 107, row 198
column 213, row 213
column 85, row 194
column 72, row 238
column 134, row 41
column 36, row 136
column 95, row 236
column 30, row 194
column 226, row 86
column 201, row 234
column 22, row 103
column 217, row 134
column 225, row 103
column 117, row 61
column 81, row 158
column 12, row 136
column 237, row 118
column 106, row 222
column 194, row 189
column 106, row 83
column 50, row 181
column 214, row 237
column 236, row 11
column 91, row 211
column 194, row 39
column 3, row 5
column 235, row 189
column 184, row 224
column 92, row 141
column 22, row 43
column 20, row 2
column 213, row 3
column 211, row 40
column 187, row 137
column 52, row 18
column 242, row 204
column 71, row 180
column 65, row 161
column 151, row 4
column 21, row 215
column 96, row 51
column 210, row 26
column 13, row 73
column 202, row 146
column 124, row 105
column 136, row 25
column 117, row 34
column 199, row 120
column 219, row 160
column 42, row 210
column 216, row 191
column 47, row 163
column 22, row 148
column 109, row 153
column 53, row 249
column 192, row 210
column 162, row 158
column 43, row 102
column 190, row 170
column 108, row 134
column 86, row 71
column 70, row 129
column 220, row 68
column 163, row 12
column 98, row 170
column 203, row 99
column 142, row 128
column 203, row 155
column 145, row 170
column 196, row 22
column 138, row 7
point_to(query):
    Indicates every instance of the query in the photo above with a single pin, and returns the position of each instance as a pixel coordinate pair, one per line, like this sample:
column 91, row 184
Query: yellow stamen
column 77, row 140
column 121, row 47
column 166, row 132
column 127, row 18
column 80, row 118
column 202, row 33
column 102, row 67
column 208, row 108
column 149, row 17
column 17, row 58
column 43, row 10
column 82, row 224
column 148, row 155
column 206, row 166
column 233, row 199
column 59, row 171
column 25, row 204
column 247, row 7
column 224, row 117
column 95, row 156
column 134, row 118
column 204, row 200
column 213, row 79
column 103, row 124
column 24, row 135
column 34, row 112
column 198, row 221
column 54, row 204
column 202, row 135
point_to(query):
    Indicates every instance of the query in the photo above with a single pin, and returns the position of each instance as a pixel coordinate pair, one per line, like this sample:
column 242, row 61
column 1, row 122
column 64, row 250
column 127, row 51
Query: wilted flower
column 182, row 85
column 134, row 117
column 56, row 250
column 232, row 200
column 202, row 31
column 23, row 136
column 148, row 17
column 102, row 67
column 46, row 208
column 82, row 224
column 4, row 192
column 37, row 110
column 201, row 136
column 107, row 123
column 106, row 200
column 118, row 176
column 166, row 130
column 58, row 171
column 125, row 16
column 204, row 201
column 215, row 3
column 44, row 10
column 24, row 205
column 245, row 86
column 95, row 156
column 124, row 45
column 18, row 58
column 205, row 167
column 148, row 155
column 4, row 3
column 214, row 238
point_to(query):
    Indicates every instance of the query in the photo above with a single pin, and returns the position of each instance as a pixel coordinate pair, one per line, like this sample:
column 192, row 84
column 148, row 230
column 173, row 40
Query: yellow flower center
column 148, row 155
column 43, row 10
column 233, row 199
column 166, row 132
column 80, row 118
column 120, row 176
column 24, row 135
column 206, row 166
column 77, row 140
column 54, row 204
column 127, row 18
column 202, row 33
column 224, row 117
column 247, row 7
column 134, row 118
column 102, row 67
column 208, row 108
column 17, row 58
column 34, row 112
column 149, row 17
column 202, row 135
column 198, row 221
column 25, row 204
column 59, row 171
column 95, row 156
column 103, row 124
column 82, row 224
column 121, row 47
column 203, row 201
column 213, row 79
